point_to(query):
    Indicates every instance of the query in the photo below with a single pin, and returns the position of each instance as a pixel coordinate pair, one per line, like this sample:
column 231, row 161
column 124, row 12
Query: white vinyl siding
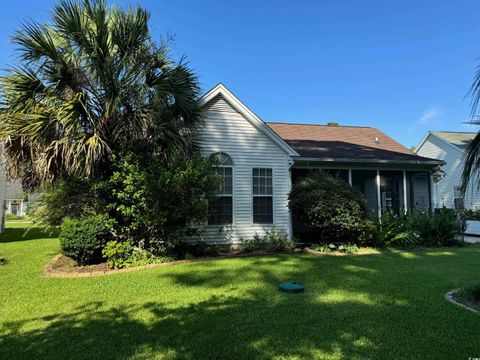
column 227, row 130
column 443, row 191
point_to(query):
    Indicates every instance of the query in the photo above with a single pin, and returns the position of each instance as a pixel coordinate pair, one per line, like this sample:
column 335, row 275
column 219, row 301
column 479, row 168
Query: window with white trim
column 221, row 210
column 458, row 198
column 262, row 181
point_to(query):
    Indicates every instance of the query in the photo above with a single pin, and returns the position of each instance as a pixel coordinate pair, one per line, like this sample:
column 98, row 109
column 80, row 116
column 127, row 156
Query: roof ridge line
column 332, row 126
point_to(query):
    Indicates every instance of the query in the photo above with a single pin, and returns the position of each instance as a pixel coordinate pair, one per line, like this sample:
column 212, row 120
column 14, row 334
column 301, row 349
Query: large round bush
column 327, row 209
column 84, row 239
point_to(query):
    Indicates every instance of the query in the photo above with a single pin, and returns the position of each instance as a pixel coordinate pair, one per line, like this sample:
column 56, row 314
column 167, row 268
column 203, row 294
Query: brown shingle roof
column 344, row 143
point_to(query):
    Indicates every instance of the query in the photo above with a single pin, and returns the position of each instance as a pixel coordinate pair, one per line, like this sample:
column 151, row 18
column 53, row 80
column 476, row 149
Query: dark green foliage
column 88, row 84
column 72, row 197
column 83, row 239
column 274, row 240
column 470, row 214
column 156, row 204
column 122, row 255
column 441, row 228
column 469, row 295
column 154, row 201
column 329, row 209
column 474, row 292
column 189, row 250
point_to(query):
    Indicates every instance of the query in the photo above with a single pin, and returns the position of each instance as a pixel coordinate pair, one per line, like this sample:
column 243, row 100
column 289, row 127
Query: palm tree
column 472, row 153
column 90, row 84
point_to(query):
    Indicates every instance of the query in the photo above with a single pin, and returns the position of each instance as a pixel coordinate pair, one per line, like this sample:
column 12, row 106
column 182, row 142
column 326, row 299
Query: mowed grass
column 387, row 305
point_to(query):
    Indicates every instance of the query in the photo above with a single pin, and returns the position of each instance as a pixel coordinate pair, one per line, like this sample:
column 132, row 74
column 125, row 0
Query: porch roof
column 346, row 144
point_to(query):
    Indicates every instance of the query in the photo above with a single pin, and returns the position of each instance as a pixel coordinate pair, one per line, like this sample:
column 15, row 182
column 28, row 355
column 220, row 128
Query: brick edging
column 449, row 297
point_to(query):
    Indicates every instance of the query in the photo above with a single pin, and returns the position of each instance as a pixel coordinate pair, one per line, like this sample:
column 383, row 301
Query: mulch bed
column 62, row 266
column 453, row 297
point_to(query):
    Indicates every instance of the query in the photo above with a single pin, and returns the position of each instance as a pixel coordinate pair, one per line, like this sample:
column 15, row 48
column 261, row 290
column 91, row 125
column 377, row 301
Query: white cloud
column 430, row 115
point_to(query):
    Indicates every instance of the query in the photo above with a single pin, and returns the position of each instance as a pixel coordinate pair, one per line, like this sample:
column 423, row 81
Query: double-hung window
column 262, row 196
column 458, row 197
column 221, row 210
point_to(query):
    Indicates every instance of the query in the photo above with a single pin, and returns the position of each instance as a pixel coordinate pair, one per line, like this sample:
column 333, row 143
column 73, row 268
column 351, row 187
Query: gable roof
column 221, row 90
column 346, row 143
column 456, row 138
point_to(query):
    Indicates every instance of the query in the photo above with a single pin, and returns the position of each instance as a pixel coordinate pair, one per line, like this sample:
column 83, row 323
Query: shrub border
column 449, row 297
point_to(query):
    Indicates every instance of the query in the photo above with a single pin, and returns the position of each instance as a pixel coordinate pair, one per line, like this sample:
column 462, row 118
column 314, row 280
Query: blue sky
column 402, row 66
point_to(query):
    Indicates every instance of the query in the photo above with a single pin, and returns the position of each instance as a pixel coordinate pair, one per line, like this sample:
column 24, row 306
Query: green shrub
column 327, row 248
column 328, row 210
column 369, row 235
column 117, row 254
column 14, row 217
column 470, row 214
column 72, row 198
column 416, row 228
column 274, row 240
column 123, row 255
column 84, row 239
column 191, row 250
column 157, row 204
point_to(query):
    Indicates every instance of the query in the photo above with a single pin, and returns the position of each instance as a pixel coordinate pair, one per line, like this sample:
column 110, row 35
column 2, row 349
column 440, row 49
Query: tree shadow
column 220, row 327
column 18, row 234
column 354, row 307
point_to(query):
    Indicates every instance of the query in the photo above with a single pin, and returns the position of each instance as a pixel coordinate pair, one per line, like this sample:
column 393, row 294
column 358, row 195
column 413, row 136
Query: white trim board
column 220, row 89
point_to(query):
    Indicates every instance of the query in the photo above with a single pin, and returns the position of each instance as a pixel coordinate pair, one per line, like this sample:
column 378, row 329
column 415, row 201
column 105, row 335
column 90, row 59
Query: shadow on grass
column 220, row 327
column 369, row 306
column 17, row 234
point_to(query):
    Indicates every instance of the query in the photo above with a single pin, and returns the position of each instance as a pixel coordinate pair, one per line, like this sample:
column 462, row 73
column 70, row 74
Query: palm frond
column 92, row 84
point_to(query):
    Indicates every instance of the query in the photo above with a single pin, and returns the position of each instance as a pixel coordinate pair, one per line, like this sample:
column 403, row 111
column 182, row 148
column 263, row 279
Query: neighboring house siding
column 3, row 193
column 227, row 131
column 443, row 193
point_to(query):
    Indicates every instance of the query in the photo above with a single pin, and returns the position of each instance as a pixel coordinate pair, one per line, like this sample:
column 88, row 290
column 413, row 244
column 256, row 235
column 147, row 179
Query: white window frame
column 230, row 166
column 263, row 195
column 458, row 194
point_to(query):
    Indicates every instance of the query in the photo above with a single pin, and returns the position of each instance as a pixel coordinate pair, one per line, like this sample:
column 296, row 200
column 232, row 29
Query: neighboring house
column 450, row 147
column 16, row 202
column 259, row 161
column 3, row 191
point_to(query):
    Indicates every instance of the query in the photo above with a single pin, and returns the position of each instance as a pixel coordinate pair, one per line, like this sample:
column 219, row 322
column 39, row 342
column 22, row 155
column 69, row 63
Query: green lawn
column 382, row 306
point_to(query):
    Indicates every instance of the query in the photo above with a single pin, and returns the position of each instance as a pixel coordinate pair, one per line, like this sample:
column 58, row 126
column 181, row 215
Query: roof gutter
column 374, row 161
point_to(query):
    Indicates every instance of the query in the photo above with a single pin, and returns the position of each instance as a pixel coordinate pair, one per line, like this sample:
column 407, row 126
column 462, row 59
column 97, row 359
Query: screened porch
column 385, row 190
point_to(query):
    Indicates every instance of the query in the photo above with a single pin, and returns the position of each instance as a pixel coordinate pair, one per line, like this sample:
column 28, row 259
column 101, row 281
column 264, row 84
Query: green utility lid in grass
column 291, row 287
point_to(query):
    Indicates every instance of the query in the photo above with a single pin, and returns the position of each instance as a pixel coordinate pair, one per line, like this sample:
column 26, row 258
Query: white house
column 260, row 160
column 450, row 146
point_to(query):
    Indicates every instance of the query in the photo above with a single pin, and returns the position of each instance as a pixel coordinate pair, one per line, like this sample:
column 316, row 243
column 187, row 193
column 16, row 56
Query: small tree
column 156, row 204
column 328, row 209
column 91, row 83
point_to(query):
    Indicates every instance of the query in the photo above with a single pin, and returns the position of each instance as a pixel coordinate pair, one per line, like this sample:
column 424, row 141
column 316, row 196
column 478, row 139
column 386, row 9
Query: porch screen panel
column 391, row 191
column 419, row 193
column 364, row 181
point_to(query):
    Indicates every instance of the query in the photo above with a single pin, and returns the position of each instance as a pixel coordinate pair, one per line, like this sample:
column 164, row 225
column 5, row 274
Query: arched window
column 221, row 211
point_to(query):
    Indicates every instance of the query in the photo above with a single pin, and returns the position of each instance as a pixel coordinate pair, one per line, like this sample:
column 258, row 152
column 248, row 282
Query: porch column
column 405, row 191
column 379, row 195
column 350, row 176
